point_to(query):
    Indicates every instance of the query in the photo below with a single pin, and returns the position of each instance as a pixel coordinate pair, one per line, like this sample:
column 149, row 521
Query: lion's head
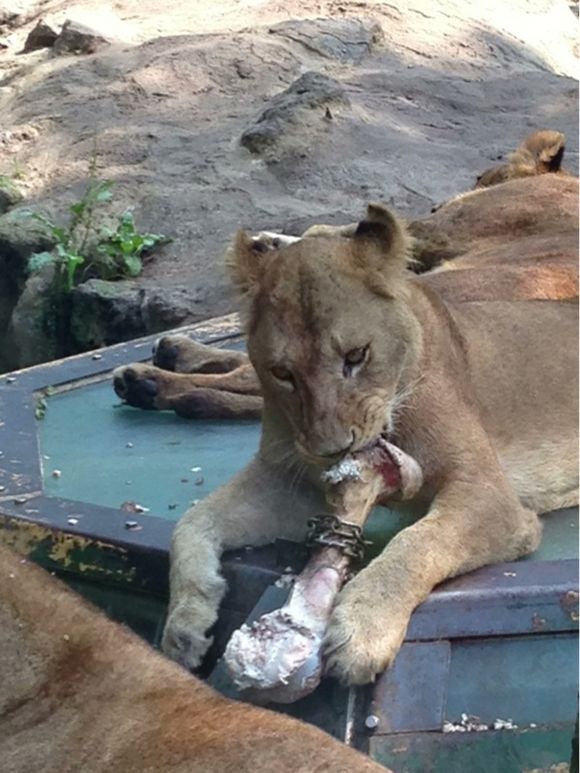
column 330, row 332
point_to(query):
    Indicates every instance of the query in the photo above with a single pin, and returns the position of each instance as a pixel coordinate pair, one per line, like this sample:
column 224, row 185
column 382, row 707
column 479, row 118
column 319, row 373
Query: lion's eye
column 354, row 359
column 282, row 374
column 355, row 356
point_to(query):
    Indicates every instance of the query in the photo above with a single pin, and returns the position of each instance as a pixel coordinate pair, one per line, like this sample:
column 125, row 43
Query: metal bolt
column 372, row 722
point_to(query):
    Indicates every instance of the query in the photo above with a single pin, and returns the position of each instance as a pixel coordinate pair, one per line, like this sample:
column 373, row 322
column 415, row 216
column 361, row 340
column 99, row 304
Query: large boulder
column 346, row 40
column 37, row 329
column 105, row 313
column 295, row 117
column 77, row 38
column 10, row 194
column 338, row 105
column 20, row 236
column 40, row 36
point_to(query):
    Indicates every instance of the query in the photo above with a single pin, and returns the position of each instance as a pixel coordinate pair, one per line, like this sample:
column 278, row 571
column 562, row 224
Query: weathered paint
column 411, row 695
column 59, row 550
column 501, row 751
column 569, row 603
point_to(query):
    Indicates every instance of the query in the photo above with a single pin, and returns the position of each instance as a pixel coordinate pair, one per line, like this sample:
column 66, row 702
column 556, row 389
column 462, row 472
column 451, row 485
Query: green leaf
column 132, row 265
column 129, row 246
column 62, row 252
column 103, row 191
column 60, row 234
column 72, row 263
column 40, row 408
column 39, row 259
column 126, row 218
column 78, row 208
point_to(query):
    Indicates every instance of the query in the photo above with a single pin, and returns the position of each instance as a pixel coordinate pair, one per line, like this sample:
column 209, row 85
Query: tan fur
column 532, row 224
column 540, row 153
column 80, row 694
column 523, row 220
column 472, row 368
column 235, row 394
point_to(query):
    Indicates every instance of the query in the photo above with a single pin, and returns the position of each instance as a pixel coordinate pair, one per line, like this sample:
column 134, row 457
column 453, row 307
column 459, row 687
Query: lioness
column 471, row 369
column 541, row 152
column 80, row 694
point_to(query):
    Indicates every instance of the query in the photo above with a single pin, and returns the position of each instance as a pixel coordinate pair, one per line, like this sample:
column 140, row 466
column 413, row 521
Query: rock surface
column 40, row 36
column 32, row 329
column 20, row 236
column 10, row 194
column 344, row 40
column 298, row 113
column 76, row 38
column 105, row 313
column 427, row 96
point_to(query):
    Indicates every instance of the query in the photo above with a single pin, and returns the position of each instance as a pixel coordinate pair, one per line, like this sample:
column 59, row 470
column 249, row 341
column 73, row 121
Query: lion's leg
column 194, row 395
column 544, row 475
column 470, row 524
column 182, row 354
column 259, row 505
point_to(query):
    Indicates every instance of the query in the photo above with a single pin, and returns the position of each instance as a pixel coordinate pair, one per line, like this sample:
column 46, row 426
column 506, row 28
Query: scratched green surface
column 526, row 751
column 108, row 453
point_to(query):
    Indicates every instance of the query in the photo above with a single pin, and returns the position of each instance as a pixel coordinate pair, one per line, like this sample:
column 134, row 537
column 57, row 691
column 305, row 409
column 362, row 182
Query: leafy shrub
column 103, row 252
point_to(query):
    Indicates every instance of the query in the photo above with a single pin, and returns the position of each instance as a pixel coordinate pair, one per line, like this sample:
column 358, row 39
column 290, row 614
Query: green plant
column 40, row 402
column 124, row 246
column 103, row 251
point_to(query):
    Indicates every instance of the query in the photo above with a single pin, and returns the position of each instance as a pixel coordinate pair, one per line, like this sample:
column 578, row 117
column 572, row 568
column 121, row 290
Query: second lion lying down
column 470, row 368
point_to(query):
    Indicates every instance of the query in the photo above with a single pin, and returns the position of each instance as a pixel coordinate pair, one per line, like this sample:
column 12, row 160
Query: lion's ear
column 245, row 260
column 381, row 240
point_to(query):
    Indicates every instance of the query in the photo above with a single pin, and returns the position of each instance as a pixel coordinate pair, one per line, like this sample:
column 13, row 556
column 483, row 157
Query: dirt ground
column 418, row 97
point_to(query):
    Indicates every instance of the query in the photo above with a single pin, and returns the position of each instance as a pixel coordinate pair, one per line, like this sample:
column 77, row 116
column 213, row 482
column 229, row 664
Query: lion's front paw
column 363, row 637
column 185, row 638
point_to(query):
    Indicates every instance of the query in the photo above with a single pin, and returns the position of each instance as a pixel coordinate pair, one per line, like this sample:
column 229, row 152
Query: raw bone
column 279, row 657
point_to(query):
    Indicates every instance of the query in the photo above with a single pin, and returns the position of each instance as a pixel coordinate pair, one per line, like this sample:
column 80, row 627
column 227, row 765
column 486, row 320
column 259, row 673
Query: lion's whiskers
column 400, row 400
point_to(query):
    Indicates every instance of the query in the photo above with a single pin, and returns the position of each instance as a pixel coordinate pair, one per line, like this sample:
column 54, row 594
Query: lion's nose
column 333, row 446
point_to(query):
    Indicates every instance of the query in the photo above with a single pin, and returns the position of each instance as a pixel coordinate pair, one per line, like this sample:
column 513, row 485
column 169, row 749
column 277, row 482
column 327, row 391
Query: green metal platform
column 500, row 643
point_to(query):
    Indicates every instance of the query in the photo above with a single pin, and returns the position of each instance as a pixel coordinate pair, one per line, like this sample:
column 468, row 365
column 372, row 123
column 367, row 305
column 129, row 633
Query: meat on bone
column 278, row 658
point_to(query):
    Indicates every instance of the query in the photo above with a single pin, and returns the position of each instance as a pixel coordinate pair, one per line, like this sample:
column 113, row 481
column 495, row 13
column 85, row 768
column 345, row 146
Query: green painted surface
column 531, row 679
column 144, row 614
column 108, row 454
column 496, row 752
